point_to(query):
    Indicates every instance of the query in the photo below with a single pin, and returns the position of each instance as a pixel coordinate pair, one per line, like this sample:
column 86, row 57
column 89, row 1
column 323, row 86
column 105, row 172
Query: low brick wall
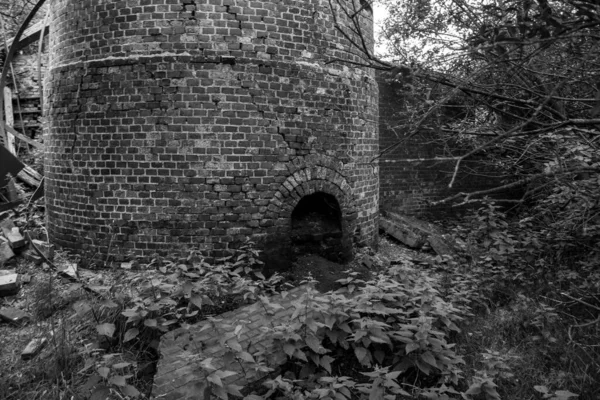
column 177, row 125
column 416, row 170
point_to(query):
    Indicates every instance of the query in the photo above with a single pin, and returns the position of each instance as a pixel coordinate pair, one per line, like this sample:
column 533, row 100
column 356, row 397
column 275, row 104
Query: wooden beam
column 30, row 176
column 10, row 119
column 20, row 136
column 31, row 35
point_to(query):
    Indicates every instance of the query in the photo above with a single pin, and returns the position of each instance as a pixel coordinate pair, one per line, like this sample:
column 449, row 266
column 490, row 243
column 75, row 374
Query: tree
column 517, row 82
column 525, row 74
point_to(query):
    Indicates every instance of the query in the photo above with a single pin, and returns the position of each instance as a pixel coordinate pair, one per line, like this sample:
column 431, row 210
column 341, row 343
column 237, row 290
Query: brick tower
column 177, row 125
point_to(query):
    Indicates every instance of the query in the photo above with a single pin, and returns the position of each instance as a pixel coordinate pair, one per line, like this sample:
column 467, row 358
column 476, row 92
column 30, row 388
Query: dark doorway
column 317, row 227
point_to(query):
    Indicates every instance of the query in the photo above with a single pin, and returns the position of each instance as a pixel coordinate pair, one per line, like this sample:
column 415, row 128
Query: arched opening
column 317, row 226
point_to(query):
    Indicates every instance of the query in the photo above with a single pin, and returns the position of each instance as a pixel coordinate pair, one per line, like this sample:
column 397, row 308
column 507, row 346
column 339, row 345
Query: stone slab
column 46, row 248
column 13, row 315
column 13, row 234
column 33, row 348
column 33, row 256
column 414, row 232
column 399, row 232
column 9, row 285
column 6, row 252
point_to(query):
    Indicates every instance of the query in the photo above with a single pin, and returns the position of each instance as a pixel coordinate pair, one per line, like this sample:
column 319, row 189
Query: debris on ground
column 415, row 233
column 6, row 252
column 14, row 316
column 9, row 284
column 13, row 234
column 33, row 348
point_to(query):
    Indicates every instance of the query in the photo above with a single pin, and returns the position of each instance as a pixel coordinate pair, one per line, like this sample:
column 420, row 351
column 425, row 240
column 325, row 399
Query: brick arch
column 307, row 181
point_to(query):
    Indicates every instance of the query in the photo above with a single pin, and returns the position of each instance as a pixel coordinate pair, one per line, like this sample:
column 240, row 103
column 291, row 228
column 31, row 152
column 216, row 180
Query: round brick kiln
column 175, row 125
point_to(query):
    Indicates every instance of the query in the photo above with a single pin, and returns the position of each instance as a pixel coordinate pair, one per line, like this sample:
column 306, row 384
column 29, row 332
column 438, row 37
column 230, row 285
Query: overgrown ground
column 505, row 317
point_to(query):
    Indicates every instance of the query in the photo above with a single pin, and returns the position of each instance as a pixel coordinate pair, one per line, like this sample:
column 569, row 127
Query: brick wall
column 180, row 124
column 416, row 171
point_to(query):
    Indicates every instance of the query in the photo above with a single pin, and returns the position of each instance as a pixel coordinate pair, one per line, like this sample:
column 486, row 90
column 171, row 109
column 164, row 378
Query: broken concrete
column 414, row 232
column 46, row 248
column 33, row 256
column 6, row 252
column 12, row 233
column 401, row 233
column 33, row 348
column 9, row 285
column 14, row 315
column 70, row 269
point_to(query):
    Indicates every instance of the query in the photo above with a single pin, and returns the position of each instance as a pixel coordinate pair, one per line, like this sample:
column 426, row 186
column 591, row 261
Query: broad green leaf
column 289, row 349
column 245, row 356
column 429, row 359
column 82, row 307
column 235, row 345
column 475, row 388
column 362, row 355
column 326, row 363
column 117, row 380
column 103, row 372
column 235, row 390
column 410, row 347
column 207, row 364
column 151, row 323
column 379, row 356
column 131, row 334
column 101, row 393
column 220, row 392
column 225, row 374
column 424, row 367
column 196, row 300
column 106, row 329
column 108, row 303
column 213, row 378
column 130, row 391
column 314, row 344
column 299, row 354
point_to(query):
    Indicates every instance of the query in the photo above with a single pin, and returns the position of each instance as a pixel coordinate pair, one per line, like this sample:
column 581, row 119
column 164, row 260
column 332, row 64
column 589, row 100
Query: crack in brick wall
column 194, row 119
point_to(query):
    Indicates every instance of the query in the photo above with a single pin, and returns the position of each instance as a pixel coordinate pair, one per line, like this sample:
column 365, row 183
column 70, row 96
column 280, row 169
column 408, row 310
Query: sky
column 379, row 13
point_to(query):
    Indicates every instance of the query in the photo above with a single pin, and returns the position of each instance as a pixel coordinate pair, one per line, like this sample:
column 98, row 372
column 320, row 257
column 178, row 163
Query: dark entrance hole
column 317, row 227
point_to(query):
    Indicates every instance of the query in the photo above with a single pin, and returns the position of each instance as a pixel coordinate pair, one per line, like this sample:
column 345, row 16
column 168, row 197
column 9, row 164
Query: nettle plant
column 374, row 339
column 164, row 295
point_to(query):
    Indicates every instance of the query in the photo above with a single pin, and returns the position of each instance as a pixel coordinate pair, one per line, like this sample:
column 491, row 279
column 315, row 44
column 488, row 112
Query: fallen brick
column 46, row 248
column 69, row 269
column 6, row 252
column 33, row 256
column 13, row 234
column 414, row 232
column 440, row 246
column 33, row 348
column 410, row 238
column 9, row 285
column 13, row 315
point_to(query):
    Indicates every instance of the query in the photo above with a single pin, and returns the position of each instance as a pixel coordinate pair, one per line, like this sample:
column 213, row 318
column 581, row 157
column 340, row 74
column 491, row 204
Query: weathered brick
column 181, row 100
